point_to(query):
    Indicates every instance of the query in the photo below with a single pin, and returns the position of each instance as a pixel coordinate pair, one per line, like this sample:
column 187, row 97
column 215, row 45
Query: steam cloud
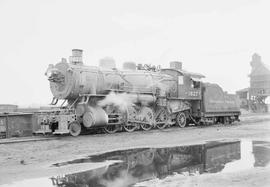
column 122, row 100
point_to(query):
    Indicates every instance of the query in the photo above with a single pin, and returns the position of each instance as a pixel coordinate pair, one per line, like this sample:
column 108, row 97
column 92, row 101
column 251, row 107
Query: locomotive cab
column 188, row 84
column 187, row 103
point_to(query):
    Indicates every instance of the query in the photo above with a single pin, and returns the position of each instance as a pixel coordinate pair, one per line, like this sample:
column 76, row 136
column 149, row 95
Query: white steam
column 121, row 100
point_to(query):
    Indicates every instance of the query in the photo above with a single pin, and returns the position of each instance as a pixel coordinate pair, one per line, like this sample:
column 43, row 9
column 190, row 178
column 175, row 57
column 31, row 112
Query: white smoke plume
column 120, row 100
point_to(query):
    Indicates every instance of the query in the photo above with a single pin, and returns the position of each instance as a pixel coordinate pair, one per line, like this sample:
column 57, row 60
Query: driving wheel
column 162, row 118
column 181, row 119
column 110, row 129
column 130, row 124
column 147, row 116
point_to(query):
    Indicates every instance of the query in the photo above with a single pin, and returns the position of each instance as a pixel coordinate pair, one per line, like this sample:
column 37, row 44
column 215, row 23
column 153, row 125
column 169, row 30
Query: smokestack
column 176, row 65
column 76, row 57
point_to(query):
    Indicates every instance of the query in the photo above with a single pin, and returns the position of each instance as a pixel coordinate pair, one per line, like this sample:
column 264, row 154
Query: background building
column 253, row 98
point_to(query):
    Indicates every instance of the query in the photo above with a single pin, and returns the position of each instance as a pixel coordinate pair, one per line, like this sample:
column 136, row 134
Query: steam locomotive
column 137, row 97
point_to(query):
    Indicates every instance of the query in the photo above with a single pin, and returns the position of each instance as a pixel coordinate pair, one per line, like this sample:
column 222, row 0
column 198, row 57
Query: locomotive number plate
column 194, row 93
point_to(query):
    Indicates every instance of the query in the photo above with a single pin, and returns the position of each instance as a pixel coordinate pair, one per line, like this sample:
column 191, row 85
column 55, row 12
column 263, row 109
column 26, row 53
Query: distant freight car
column 138, row 97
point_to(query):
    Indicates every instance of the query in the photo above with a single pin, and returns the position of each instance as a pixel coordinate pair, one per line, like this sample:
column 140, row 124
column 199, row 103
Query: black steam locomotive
column 137, row 97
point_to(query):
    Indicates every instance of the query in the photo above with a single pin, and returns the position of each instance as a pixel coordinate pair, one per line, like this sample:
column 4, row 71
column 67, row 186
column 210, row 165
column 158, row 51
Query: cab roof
column 184, row 72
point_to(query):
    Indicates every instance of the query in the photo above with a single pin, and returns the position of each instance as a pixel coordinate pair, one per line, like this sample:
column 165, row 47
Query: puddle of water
column 142, row 164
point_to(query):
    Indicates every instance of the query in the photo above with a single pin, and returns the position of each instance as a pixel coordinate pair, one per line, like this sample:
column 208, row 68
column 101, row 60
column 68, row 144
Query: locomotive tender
column 137, row 97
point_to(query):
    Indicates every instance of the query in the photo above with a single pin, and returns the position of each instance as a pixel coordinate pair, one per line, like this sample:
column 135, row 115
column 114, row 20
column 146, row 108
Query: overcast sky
column 213, row 37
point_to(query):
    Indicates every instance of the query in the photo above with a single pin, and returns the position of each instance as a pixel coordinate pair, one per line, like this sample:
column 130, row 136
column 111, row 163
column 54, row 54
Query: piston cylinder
column 94, row 116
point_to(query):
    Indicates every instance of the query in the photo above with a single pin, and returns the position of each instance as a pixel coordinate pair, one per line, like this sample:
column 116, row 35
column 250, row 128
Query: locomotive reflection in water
column 137, row 97
column 149, row 163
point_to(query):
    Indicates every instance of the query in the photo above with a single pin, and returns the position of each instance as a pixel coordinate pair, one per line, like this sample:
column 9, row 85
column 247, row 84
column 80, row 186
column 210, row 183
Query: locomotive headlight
column 54, row 75
column 48, row 72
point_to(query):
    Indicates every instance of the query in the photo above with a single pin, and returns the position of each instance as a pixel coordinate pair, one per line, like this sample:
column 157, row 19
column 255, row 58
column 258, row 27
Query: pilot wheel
column 75, row 128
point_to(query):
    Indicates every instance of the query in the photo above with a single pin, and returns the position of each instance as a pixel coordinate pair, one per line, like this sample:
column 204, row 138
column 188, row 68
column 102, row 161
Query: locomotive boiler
column 137, row 97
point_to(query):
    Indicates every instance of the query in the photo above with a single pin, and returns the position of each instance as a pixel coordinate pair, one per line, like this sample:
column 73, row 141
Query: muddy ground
column 19, row 161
